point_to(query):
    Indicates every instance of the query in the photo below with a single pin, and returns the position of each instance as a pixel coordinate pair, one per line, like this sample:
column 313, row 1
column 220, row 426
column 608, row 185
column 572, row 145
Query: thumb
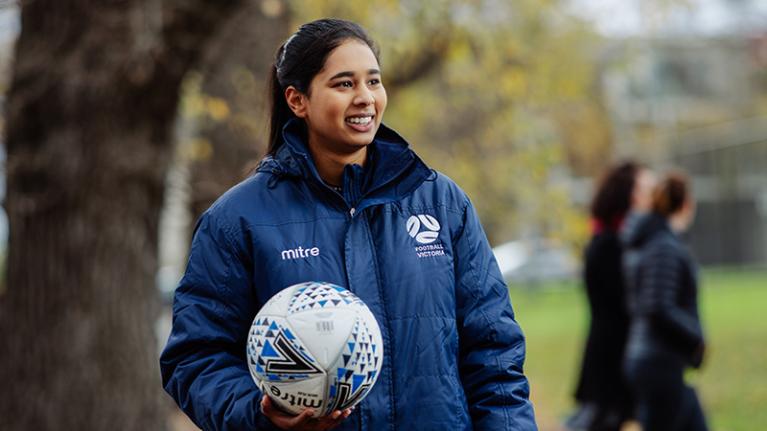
column 266, row 405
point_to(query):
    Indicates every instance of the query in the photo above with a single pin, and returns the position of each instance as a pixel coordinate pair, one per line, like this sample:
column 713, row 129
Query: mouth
column 360, row 122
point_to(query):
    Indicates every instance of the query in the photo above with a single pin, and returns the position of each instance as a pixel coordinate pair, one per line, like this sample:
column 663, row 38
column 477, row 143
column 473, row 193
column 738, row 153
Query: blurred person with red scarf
column 604, row 401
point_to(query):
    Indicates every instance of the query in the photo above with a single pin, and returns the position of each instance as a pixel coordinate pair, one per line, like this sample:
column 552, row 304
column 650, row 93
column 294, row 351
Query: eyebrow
column 348, row 74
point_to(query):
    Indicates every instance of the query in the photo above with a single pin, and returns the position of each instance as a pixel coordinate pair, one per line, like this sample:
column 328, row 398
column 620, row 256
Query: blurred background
column 522, row 102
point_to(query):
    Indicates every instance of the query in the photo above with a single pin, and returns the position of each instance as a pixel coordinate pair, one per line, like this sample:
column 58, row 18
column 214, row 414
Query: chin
column 359, row 144
column 361, row 141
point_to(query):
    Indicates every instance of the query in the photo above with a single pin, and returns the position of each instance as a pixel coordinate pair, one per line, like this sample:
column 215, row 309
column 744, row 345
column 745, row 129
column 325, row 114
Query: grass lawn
column 732, row 384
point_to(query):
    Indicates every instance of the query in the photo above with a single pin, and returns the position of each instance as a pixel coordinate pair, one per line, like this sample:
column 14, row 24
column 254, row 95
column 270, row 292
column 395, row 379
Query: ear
column 296, row 101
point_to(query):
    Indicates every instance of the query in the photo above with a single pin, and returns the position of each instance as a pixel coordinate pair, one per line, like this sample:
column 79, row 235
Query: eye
column 374, row 81
column 344, row 84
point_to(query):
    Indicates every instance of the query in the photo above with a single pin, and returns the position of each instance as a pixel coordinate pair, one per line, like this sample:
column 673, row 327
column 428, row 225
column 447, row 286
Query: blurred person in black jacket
column 604, row 400
column 665, row 334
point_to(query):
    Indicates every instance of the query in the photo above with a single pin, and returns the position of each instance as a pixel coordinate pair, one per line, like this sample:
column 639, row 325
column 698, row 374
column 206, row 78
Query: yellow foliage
column 217, row 108
column 514, row 83
column 490, row 115
column 196, row 149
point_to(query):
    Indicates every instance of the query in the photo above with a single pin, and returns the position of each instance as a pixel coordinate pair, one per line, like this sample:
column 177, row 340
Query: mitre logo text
column 300, row 253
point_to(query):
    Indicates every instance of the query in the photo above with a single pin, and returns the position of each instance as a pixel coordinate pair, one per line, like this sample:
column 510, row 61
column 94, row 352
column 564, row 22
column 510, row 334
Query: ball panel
column 357, row 368
column 323, row 332
column 277, row 304
column 294, row 397
column 427, row 237
column 275, row 354
column 429, row 222
column 318, row 296
column 413, row 226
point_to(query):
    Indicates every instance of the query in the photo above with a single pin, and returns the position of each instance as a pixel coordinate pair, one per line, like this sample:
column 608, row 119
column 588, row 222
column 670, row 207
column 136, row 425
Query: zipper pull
column 352, row 211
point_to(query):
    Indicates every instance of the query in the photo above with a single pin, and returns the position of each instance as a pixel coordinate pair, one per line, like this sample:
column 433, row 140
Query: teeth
column 359, row 120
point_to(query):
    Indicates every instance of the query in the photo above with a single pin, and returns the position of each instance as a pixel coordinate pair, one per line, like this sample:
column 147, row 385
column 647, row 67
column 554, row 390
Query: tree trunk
column 89, row 115
column 236, row 70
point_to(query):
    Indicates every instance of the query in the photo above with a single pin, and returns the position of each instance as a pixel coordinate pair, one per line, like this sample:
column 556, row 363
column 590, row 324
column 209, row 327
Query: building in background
column 700, row 104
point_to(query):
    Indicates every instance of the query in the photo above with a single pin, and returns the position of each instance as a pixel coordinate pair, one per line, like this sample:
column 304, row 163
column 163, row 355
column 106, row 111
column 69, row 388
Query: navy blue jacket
column 453, row 351
column 662, row 282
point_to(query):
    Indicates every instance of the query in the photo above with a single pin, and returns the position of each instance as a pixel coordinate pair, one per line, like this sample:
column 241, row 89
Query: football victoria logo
column 431, row 225
column 425, row 230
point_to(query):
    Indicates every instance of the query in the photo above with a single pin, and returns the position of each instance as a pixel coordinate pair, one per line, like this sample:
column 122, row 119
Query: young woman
column 402, row 237
column 665, row 334
column 603, row 397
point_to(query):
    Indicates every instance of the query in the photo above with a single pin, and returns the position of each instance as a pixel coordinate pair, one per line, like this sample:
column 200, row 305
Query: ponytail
column 281, row 113
column 670, row 194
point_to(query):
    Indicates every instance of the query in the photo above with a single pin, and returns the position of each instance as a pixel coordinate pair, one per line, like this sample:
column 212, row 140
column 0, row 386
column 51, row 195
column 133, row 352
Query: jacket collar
column 641, row 227
column 392, row 169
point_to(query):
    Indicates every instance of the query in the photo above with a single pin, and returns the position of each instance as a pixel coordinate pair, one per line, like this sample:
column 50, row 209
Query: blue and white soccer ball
column 315, row 345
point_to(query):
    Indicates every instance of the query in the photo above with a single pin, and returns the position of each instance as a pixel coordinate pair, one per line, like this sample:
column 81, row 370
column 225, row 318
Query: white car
column 535, row 261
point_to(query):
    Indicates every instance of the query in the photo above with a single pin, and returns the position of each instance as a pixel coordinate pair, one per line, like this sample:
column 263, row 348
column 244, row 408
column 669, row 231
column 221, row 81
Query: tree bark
column 236, row 69
column 89, row 113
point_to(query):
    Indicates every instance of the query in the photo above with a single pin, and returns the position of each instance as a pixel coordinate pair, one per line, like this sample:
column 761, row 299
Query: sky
column 9, row 22
column 622, row 18
column 612, row 17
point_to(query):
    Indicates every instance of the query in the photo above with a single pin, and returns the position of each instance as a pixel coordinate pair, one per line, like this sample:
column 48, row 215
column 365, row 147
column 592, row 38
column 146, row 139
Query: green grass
column 732, row 384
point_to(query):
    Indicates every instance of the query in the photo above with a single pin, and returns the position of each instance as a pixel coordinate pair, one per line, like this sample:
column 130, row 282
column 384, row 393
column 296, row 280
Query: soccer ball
column 315, row 345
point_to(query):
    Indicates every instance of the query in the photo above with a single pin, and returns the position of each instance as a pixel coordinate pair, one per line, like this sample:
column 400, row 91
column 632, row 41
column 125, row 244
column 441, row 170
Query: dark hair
column 670, row 194
column 300, row 58
column 612, row 199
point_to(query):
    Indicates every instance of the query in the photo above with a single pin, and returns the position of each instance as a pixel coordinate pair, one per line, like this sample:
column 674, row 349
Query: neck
column 678, row 222
column 330, row 165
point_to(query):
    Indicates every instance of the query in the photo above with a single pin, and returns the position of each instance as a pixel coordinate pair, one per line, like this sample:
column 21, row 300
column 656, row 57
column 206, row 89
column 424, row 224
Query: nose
column 364, row 97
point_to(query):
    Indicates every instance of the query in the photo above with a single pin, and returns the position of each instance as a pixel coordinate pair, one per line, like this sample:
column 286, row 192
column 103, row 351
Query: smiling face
column 345, row 102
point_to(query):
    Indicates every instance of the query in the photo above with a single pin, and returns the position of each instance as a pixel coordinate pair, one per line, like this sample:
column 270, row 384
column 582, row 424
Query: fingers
column 303, row 419
column 282, row 419
column 270, row 410
column 331, row 421
column 334, row 419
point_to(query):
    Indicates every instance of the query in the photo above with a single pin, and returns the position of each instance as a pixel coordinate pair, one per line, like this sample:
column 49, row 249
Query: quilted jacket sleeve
column 203, row 365
column 492, row 346
column 662, row 272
